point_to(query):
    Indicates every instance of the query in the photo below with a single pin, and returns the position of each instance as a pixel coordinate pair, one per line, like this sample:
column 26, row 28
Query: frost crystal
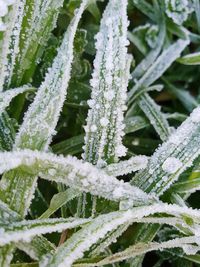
column 105, row 129
column 171, row 165
column 151, row 36
column 178, row 10
column 3, row 8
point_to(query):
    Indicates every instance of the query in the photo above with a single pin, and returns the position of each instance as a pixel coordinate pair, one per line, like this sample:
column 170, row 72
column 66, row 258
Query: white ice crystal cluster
column 105, row 128
column 178, row 10
column 4, row 4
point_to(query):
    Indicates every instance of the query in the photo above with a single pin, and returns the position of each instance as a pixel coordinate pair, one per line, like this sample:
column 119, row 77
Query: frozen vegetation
column 99, row 133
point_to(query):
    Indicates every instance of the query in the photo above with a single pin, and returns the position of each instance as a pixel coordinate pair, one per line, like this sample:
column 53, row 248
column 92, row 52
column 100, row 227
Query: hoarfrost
column 109, row 84
column 171, row 165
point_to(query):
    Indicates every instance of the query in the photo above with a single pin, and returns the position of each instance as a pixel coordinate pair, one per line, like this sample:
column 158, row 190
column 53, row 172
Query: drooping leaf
column 74, row 173
column 26, row 230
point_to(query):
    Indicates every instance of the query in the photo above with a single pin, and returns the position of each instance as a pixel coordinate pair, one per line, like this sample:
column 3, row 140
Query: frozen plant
column 99, row 132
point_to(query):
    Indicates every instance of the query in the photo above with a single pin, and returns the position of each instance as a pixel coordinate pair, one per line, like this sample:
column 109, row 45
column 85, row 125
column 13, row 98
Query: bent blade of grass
column 162, row 63
column 172, row 158
column 6, row 97
column 74, row 173
column 26, row 230
column 104, row 129
column 156, row 117
column 59, row 200
column 190, row 59
column 141, row 248
column 128, row 166
column 74, row 247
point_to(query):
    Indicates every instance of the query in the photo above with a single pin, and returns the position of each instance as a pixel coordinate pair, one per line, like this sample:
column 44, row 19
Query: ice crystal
column 178, row 10
column 105, row 129
column 151, row 36
column 125, row 167
column 171, row 165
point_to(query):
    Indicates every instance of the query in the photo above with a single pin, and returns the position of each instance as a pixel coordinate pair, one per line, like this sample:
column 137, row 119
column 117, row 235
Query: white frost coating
column 178, row 10
column 6, row 97
column 171, row 165
column 74, row 173
column 140, row 249
column 124, row 167
column 74, row 248
column 109, row 84
column 42, row 20
column 154, row 114
column 2, row 26
column 161, row 64
column 182, row 146
column 10, row 46
column 42, row 116
column 26, row 230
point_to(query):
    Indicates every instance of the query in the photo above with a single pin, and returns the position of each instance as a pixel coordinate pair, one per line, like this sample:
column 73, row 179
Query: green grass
column 99, row 133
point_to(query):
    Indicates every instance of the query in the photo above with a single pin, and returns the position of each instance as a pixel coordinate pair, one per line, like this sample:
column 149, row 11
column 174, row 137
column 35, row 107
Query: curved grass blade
column 75, row 246
column 124, row 167
column 190, row 59
column 74, row 173
column 6, row 97
column 162, row 63
column 58, row 201
column 26, row 230
column 156, row 117
column 172, row 158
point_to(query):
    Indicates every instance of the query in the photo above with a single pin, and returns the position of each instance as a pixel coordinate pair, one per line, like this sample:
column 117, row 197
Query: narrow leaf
column 74, row 173
column 156, row 117
column 104, row 129
column 172, row 158
column 162, row 63
column 26, row 230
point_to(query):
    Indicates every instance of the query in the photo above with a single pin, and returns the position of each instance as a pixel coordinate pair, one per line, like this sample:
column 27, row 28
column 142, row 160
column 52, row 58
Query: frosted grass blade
column 156, row 117
column 162, row 63
column 172, row 158
column 74, row 173
column 104, row 129
column 26, row 230
column 41, row 119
